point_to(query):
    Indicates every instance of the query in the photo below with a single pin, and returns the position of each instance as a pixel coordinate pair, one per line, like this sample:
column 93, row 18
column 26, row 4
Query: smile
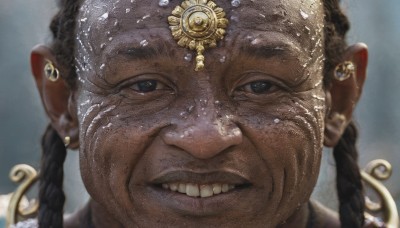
column 199, row 190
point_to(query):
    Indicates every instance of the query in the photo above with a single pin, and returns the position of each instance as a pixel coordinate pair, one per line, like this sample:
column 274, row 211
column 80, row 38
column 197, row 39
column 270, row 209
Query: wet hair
column 63, row 28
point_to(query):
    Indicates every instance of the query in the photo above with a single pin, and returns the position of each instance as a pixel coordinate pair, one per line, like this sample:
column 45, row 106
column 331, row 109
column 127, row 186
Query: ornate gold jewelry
column 197, row 25
column 67, row 141
column 376, row 171
column 51, row 72
column 26, row 176
column 344, row 70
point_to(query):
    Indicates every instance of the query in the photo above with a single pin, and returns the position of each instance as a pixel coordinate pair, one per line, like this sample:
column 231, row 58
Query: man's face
column 237, row 144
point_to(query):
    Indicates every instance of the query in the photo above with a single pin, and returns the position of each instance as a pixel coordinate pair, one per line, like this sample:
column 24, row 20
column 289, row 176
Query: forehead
column 298, row 19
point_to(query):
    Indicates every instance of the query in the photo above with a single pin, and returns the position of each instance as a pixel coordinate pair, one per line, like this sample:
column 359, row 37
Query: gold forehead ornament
column 197, row 25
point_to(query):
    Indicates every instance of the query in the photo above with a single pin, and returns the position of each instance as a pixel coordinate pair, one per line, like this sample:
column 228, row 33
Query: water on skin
column 144, row 43
column 188, row 57
column 235, row 3
column 163, row 3
column 303, row 14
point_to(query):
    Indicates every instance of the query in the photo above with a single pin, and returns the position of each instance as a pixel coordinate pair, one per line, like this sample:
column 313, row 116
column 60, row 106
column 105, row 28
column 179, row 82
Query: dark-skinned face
column 246, row 133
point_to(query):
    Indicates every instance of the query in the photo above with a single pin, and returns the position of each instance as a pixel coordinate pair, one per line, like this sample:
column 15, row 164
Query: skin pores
column 252, row 120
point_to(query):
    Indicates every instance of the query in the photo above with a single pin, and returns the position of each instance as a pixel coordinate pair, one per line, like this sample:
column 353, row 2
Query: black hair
column 63, row 28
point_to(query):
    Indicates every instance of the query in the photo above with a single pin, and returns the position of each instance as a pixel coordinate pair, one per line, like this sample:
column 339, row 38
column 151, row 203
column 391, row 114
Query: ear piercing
column 51, row 71
column 67, row 141
column 344, row 70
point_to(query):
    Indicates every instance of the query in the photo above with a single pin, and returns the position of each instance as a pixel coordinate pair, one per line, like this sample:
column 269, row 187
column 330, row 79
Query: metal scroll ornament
column 197, row 25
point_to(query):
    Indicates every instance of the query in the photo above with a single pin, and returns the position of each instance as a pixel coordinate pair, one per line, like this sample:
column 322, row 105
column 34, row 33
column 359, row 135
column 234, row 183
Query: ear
column 56, row 96
column 343, row 96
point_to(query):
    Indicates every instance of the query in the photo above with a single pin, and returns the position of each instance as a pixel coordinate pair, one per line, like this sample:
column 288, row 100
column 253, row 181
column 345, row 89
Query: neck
column 299, row 218
column 93, row 215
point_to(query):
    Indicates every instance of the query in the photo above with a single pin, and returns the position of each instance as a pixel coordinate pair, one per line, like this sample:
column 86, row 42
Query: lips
column 200, row 184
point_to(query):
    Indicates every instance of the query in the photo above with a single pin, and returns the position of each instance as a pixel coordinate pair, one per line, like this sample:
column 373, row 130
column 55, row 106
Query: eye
column 147, row 86
column 259, row 87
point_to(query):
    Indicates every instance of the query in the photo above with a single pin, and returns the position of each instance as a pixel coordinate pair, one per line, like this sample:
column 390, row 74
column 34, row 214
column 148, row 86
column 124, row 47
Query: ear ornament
column 197, row 25
column 51, row 72
column 344, row 70
column 67, row 141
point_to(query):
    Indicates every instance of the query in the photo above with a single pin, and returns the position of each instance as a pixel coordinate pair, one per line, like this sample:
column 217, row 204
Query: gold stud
column 197, row 25
column 67, row 141
column 344, row 70
column 51, row 72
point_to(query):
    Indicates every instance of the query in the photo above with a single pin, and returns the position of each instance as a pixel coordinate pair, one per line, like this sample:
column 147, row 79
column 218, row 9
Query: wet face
column 237, row 144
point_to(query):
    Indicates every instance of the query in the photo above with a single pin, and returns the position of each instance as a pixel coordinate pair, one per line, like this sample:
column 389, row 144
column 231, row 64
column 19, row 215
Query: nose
column 203, row 137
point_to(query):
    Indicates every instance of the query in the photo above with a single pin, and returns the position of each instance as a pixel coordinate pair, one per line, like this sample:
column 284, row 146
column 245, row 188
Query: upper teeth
column 196, row 190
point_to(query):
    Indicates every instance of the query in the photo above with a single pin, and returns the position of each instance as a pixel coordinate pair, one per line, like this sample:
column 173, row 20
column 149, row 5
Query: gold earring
column 198, row 25
column 51, row 72
column 67, row 141
column 344, row 70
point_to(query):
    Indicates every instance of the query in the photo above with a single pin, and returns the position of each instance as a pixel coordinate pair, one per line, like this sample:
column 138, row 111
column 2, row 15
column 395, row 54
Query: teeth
column 216, row 188
column 206, row 191
column 182, row 188
column 192, row 190
column 195, row 190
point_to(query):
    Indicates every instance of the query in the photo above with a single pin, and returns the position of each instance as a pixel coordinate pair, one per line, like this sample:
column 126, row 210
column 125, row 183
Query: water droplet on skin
column 110, row 39
column 102, row 66
column 298, row 34
column 222, row 59
column 132, row 1
column 163, row 3
column 188, row 57
column 102, row 46
column 144, row 17
column 190, row 108
column 308, row 29
column 277, row 120
column 217, row 102
column 84, row 19
column 303, row 14
column 127, row 10
column 103, row 17
column 144, row 43
column 234, row 18
column 235, row 3
column 255, row 41
column 261, row 15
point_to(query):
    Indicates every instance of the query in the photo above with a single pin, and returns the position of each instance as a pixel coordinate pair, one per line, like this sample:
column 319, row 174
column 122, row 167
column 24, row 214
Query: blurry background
column 22, row 120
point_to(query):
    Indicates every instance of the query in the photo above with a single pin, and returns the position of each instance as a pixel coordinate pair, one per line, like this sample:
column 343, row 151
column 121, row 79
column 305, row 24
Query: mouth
column 201, row 185
column 199, row 190
column 199, row 194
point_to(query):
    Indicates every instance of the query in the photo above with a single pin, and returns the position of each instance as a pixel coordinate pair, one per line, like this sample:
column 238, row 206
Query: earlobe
column 54, row 92
column 345, row 91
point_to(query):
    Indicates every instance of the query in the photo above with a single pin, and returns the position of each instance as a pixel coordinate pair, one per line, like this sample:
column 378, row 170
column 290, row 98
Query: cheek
column 111, row 144
column 289, row 143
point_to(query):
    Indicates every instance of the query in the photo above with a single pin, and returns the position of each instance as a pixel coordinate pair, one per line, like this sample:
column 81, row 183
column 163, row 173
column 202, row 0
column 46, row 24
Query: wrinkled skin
column 204, row 122
column 255, row 117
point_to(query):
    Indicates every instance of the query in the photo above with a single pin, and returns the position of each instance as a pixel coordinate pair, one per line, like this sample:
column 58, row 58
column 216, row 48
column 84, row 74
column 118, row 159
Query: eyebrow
column 141, row 53
column 267, row 51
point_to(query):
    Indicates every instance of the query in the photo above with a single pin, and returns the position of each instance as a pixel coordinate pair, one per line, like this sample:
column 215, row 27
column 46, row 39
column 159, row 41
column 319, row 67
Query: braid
column 51, row 195
column 62, row 27
column 348, row 181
